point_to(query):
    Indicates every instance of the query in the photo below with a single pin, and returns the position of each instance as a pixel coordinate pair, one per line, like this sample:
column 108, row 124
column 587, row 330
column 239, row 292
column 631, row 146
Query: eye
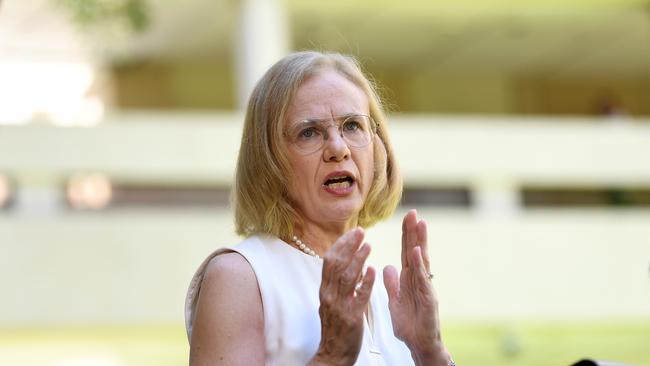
column 308, row 133
column 353, row 124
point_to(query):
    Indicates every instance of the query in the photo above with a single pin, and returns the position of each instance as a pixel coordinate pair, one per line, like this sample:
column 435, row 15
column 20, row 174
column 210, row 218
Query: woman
column 315, row 165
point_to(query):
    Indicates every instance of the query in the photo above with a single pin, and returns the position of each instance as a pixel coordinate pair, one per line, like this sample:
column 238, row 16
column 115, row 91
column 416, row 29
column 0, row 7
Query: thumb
column 391, row 282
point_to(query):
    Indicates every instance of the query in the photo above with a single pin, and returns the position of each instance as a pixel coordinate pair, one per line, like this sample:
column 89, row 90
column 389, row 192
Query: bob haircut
column 260, row 198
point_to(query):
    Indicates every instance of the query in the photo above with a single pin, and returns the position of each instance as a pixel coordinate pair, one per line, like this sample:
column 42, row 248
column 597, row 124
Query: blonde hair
column 260, row 197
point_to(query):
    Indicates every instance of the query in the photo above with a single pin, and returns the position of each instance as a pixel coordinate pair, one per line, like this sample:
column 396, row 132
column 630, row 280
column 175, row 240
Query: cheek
column 299, row 182
column 301, row 170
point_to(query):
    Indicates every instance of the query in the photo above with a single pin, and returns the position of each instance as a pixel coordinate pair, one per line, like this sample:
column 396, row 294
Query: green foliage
column 133, row 13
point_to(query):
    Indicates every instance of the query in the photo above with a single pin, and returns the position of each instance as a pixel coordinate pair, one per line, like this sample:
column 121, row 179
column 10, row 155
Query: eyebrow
column 343, row 116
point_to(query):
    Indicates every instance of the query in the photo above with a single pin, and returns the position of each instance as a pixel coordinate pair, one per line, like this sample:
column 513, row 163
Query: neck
column 320, row 238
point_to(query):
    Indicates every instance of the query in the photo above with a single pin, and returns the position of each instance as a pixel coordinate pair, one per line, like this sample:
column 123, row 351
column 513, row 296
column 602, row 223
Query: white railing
column 493, row 260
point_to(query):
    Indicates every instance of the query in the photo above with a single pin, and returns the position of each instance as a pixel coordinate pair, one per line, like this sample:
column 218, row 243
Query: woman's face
column 329, row 185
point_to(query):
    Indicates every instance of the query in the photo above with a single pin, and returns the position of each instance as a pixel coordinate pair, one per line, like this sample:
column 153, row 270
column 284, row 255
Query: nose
column 335, row 149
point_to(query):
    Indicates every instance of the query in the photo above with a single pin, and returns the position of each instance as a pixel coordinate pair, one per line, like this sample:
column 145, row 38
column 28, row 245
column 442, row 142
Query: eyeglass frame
column 374, row 127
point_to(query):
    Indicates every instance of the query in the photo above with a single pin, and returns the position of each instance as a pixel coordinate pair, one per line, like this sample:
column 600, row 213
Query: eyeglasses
column 309, row 136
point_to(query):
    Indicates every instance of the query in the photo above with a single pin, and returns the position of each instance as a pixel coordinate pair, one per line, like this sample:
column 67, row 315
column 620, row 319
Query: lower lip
column 340, row 192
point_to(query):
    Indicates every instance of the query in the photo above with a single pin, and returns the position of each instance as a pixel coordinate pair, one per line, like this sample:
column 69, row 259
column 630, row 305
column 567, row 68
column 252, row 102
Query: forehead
column 327, row 94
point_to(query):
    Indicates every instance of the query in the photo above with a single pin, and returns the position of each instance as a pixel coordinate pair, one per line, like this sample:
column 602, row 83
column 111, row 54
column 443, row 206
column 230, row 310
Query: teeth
column 344, row 184
column 340, row 177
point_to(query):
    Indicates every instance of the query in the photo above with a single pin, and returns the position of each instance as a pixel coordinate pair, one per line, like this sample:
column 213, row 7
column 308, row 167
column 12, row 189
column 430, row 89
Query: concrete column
column 262, row 39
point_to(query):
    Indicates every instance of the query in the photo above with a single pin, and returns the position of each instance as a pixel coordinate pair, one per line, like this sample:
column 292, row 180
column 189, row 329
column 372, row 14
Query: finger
column 341, row 253
column 391, row 282
column 426, row 295
column 337, row 259
column 423, row 242
column 409, row 236
column 348, row 279
column 364, row 292
column 420, row 275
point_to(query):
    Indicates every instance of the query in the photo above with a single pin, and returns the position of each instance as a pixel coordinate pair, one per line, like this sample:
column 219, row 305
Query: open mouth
column 339, row 182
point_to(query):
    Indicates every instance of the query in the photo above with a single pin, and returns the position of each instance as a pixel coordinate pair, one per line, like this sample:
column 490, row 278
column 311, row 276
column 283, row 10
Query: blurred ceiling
column 597, row 38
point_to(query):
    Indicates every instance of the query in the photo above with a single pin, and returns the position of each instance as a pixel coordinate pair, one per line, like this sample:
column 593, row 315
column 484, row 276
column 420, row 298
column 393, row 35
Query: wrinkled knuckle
column 326, row 300
column 347, row 279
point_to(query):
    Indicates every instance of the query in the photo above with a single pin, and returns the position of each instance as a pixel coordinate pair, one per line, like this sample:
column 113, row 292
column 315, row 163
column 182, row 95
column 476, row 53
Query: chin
column 344, row 211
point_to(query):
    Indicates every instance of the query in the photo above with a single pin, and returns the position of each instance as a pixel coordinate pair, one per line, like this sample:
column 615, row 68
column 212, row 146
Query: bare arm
column 229, row 324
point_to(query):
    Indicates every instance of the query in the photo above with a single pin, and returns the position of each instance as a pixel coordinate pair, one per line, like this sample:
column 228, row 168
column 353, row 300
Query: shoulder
column 229, row 279
column 231, row 265
column 229, row 313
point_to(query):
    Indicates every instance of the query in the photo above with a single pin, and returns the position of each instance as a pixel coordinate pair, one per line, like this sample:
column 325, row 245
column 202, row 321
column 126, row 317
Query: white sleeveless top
column 289, row 282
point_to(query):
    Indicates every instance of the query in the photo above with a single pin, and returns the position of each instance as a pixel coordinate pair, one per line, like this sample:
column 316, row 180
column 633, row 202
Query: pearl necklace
column 302, row 246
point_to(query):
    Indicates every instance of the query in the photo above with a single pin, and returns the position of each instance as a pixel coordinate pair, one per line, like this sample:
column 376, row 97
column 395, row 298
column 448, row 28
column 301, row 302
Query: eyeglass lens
column 310, row 135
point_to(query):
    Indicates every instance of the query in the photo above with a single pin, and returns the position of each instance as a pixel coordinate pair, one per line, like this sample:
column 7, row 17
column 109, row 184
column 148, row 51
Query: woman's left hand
column 413, row 303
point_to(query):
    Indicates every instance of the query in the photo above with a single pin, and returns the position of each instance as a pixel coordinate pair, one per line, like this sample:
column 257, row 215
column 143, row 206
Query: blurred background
column 522, row 128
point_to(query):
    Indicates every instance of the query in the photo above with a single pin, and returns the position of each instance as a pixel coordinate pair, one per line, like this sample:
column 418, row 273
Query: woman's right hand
column 342, row 305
